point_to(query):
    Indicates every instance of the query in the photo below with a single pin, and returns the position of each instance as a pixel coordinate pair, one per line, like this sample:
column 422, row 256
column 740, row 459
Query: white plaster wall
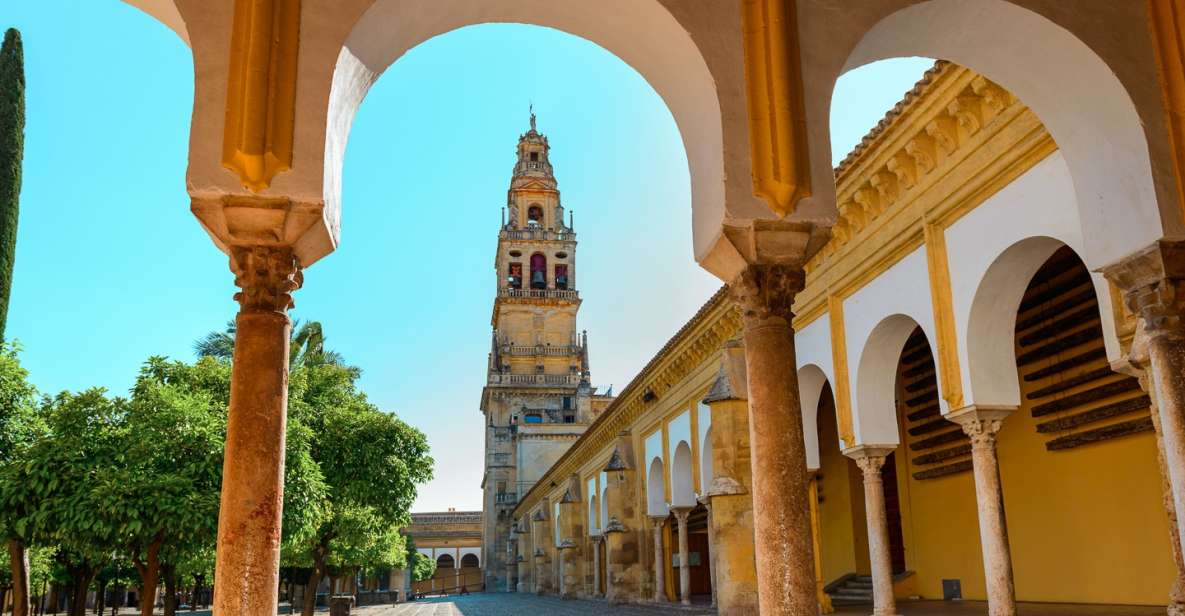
column 812, row 348
column 902, row 290
column 993, row 252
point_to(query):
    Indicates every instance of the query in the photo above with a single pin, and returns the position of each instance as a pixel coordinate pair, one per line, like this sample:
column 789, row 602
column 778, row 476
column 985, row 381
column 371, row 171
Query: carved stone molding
column 267, row 277
column 767, row 292
column 725, row 486
column 870, row 458
column 1153, row 286
column 614, row 525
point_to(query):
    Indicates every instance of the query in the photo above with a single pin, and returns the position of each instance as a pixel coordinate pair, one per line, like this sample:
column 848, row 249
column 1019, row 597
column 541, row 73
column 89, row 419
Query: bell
column 537, row 280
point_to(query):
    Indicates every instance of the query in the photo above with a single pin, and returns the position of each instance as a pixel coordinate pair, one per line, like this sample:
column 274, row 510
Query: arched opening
column 682, row 477
column 706, row 473
column 535, row 212
column 1081, row 430
column 656, row 501
column 1044, row 65
column 470, row 561
column 593, row 510
column 514, row 275
column 843, row 531
column 538, row 271
column 445, row 561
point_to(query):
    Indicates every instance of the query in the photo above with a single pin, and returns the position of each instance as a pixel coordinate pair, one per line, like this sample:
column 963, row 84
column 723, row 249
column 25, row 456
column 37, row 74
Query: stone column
column 681, row 514
column 1153, row 285
column 248, row 555
column 707, row 503
column 870, row 459
column 982, row 425
column 596, row 564
column 660, row 564
column 781, row 510
column 511, row 563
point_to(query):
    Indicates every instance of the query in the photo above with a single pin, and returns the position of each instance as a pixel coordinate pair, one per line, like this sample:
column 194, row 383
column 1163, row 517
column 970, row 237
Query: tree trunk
column 18, row 556
column 80, row 582
column 149, row 569
column 310, row 595
column 169, row 572
column 3, row 596
column 100, row 597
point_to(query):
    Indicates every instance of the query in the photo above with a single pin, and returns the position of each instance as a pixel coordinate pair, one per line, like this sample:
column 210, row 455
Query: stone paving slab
column 515, row 604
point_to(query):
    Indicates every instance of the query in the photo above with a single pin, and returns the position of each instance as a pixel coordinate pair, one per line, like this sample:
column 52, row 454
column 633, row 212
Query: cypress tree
column 12, row 145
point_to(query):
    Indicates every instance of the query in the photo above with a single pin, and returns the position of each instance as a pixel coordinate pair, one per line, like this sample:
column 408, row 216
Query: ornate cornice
column 955, row 140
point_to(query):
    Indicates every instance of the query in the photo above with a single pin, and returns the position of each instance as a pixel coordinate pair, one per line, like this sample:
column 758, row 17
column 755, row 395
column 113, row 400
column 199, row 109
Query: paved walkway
column 513, row 604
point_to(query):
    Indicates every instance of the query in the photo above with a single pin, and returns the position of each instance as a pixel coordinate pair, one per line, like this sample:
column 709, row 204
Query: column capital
column 658, row 520
column 981, row 423
column 766, row 292
column 267, row 276
column 870, row 458
column 1153, row 285
column 681, row 513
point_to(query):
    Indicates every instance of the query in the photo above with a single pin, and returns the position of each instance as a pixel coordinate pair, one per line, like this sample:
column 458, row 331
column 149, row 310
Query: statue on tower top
column 531, row 108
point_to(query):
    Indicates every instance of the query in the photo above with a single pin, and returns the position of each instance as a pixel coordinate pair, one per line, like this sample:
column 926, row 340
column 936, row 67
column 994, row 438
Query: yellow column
column 825, row 606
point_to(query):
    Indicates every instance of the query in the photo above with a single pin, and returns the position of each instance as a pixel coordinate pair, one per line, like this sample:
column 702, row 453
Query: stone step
column 850, row 596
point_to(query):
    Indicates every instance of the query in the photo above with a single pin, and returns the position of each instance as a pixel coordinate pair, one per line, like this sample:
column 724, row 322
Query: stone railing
column 537, row 233
column 540, row 380
column 570, row 294
column 560, row 350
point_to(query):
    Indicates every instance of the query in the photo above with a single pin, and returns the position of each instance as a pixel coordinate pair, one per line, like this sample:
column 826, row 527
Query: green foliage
column 421, row 565
column 371, row 462
column 306, row 346
column 12, row 145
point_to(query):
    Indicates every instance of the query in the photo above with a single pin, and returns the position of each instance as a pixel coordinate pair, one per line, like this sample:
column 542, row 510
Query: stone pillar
column 1176, row 603
column 707, row 503
column 982, row 425
column 623, row 533
column 870, row 459
column 1153, row 285
column 681, row 514
column 570, row 569
column 524, row 575
column 246, row 582
column 825, row 606
column 781, row 509
column 660, row 563
column 511, row 563
column 730, row 509
column 596, row 564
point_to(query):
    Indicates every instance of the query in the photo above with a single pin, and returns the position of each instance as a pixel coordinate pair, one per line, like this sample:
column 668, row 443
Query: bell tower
column 538, row 398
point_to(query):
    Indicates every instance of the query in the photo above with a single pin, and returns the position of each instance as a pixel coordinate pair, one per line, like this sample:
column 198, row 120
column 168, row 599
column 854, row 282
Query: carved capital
column 870, row 458
column 981, row 424
column 1153, row 285
column 267, row 277
column 681, row 514
column 767, row 292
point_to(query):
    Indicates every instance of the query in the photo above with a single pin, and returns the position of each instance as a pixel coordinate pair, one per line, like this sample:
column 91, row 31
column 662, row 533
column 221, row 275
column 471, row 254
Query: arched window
column 534, row 216
column 514, row 278
column 561, row 276
column 469, row 561
column 538, row 271
column 445, row 561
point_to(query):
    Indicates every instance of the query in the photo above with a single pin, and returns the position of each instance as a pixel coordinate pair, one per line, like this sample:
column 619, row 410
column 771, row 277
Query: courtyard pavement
column 514, row 604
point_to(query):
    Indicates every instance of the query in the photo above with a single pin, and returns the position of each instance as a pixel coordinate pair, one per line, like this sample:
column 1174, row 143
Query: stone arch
column 446, row 561
column 643, row 34
column 470, row 560
column 811, row 381
column 656, row 500
column 1045, row 65
column 594, row 507
column 991, row 356
column 707, row 459
column 875, row 412
column 682, row 476
column 604, row 502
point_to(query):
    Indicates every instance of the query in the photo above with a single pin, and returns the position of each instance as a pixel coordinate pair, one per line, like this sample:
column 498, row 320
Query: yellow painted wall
column 843, row 531
column 1085, row 525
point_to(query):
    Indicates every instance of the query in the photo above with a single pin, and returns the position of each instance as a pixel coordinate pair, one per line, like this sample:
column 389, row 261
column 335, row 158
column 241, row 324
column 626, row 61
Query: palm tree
column 306, row 348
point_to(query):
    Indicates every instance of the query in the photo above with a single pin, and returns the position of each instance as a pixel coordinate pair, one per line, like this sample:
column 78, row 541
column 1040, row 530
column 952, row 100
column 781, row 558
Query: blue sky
column 112, row 268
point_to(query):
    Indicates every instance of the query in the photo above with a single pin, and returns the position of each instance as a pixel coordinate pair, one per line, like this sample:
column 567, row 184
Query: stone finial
column 569, row 497
column 616, row 462
column 614, row 525
column 539, row 516
column 567, row 544
column 267, row 277
column 539, row 553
